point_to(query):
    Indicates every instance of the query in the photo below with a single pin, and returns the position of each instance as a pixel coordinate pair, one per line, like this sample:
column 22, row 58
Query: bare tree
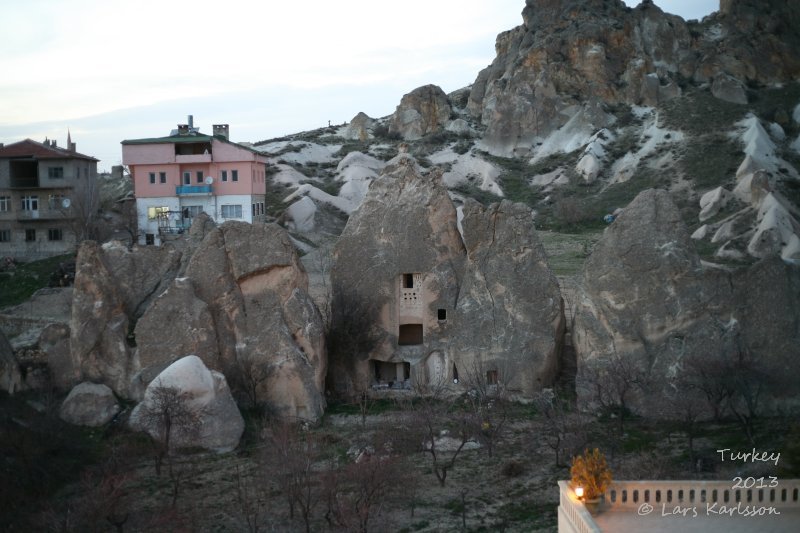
column 246, row 376
column 565, row 427
column 251, row 499
column 434, row 416
column 488, row 401
column 357, row 492
column 613, row 382
column 168, row 412
column 290, row 458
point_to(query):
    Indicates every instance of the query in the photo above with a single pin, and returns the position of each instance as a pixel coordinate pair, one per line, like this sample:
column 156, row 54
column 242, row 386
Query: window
column 5, row 203
column 55, row 234
column 5, row 235
column 30, row 235
column 152, row 178
column 149, row 239
column 224, row 175
column 55, row 172
column 441, row 315
column 157, row 212
column 410, row 334
column 254, row 209
column 231, row 211
column 199, row 176
column 191, row 211
column 56, row 201
column 30, row 203
column 187, row 178
column 234, row 175
column 162, row 177
column 408, row 281
column 492, row 378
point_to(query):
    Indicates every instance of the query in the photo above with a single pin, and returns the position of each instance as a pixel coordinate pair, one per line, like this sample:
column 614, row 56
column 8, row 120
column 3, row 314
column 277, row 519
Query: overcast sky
column 111, row 70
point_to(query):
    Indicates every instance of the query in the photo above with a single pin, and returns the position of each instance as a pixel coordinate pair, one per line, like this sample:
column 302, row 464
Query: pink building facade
column 177, row 177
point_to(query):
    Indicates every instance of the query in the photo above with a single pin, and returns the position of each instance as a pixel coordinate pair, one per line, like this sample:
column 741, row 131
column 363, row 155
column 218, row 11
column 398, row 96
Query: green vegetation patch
column 711, row 160
column 18, row 284
column 699, row 112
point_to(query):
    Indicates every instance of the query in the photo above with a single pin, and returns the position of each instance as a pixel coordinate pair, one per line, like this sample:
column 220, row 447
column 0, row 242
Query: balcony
column 704, row 506
column 193, row 190
column 44, row 214
column 193, row 158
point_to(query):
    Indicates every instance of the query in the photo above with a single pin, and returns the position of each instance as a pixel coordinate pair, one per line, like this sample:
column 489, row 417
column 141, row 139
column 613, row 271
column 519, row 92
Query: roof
column 33, row 149
column 189, row 138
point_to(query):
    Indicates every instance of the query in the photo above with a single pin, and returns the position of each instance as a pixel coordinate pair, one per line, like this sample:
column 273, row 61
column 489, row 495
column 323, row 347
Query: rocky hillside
column 587, row 103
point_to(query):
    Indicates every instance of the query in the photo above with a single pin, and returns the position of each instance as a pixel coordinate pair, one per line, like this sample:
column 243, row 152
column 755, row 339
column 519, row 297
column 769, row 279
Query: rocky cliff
column 570, row 54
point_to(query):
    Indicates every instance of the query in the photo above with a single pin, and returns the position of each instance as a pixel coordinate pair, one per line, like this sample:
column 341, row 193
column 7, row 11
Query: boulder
column 443, row 308
column 729, row 89
column 358, row 129
column 211, row 419
column 89, row 404
column 424, row 110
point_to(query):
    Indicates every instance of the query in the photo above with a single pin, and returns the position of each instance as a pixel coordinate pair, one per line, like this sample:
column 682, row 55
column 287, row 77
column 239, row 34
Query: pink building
column 177, row 177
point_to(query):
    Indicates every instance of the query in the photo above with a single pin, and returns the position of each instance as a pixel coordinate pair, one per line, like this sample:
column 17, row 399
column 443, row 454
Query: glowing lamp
column 579, row 492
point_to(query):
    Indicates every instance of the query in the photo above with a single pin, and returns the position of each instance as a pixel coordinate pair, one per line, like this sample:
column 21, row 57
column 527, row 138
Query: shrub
column 513, row 468
column 591, row 472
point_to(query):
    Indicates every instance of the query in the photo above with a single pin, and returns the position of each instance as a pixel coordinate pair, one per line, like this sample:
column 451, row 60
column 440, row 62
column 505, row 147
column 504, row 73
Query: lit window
column 5, row 203
column 55, row 234
column 55, row 172
column 30, row 203
column 157, row 212
column 30, row 235
column 231, row 211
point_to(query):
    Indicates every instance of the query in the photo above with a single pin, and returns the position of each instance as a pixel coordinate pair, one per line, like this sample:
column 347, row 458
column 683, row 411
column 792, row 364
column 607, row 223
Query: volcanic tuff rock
column 205, row 393
column 359, row 127
column 492, row 304
column 422, row 111
column 10, row 375
column 646, row 296
column 234, row 295
column 89, row 404
column 569, row 52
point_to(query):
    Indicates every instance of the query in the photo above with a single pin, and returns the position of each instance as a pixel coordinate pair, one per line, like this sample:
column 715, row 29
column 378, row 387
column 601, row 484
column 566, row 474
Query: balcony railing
column 193, row 158
column 44, row 214
column 182, row 190
column 629, row 496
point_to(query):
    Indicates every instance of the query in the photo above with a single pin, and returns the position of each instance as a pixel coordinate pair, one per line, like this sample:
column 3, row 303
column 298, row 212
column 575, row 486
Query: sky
column 109, row 70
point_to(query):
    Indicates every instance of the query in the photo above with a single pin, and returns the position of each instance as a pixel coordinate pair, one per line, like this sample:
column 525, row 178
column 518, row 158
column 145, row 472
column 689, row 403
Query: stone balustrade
column 622, row 496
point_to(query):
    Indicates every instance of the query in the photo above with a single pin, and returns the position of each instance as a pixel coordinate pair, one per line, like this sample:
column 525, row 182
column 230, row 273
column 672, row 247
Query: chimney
column 183, row 129
column 191, row 122
column 221, row 130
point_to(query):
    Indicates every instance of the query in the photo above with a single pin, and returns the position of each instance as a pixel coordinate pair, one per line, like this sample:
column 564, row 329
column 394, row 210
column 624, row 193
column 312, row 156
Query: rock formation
column 568, row 53
column 234, row 295
column 89, row 404
column 648, row 299
column 422, row 111
column 491, row 306
column 10, row 376
column 215, row 424
column 358, row 129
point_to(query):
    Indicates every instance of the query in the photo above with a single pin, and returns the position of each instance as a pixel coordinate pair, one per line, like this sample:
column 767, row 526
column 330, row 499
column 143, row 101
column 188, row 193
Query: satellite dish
column 209, row 180
column 65, row 203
